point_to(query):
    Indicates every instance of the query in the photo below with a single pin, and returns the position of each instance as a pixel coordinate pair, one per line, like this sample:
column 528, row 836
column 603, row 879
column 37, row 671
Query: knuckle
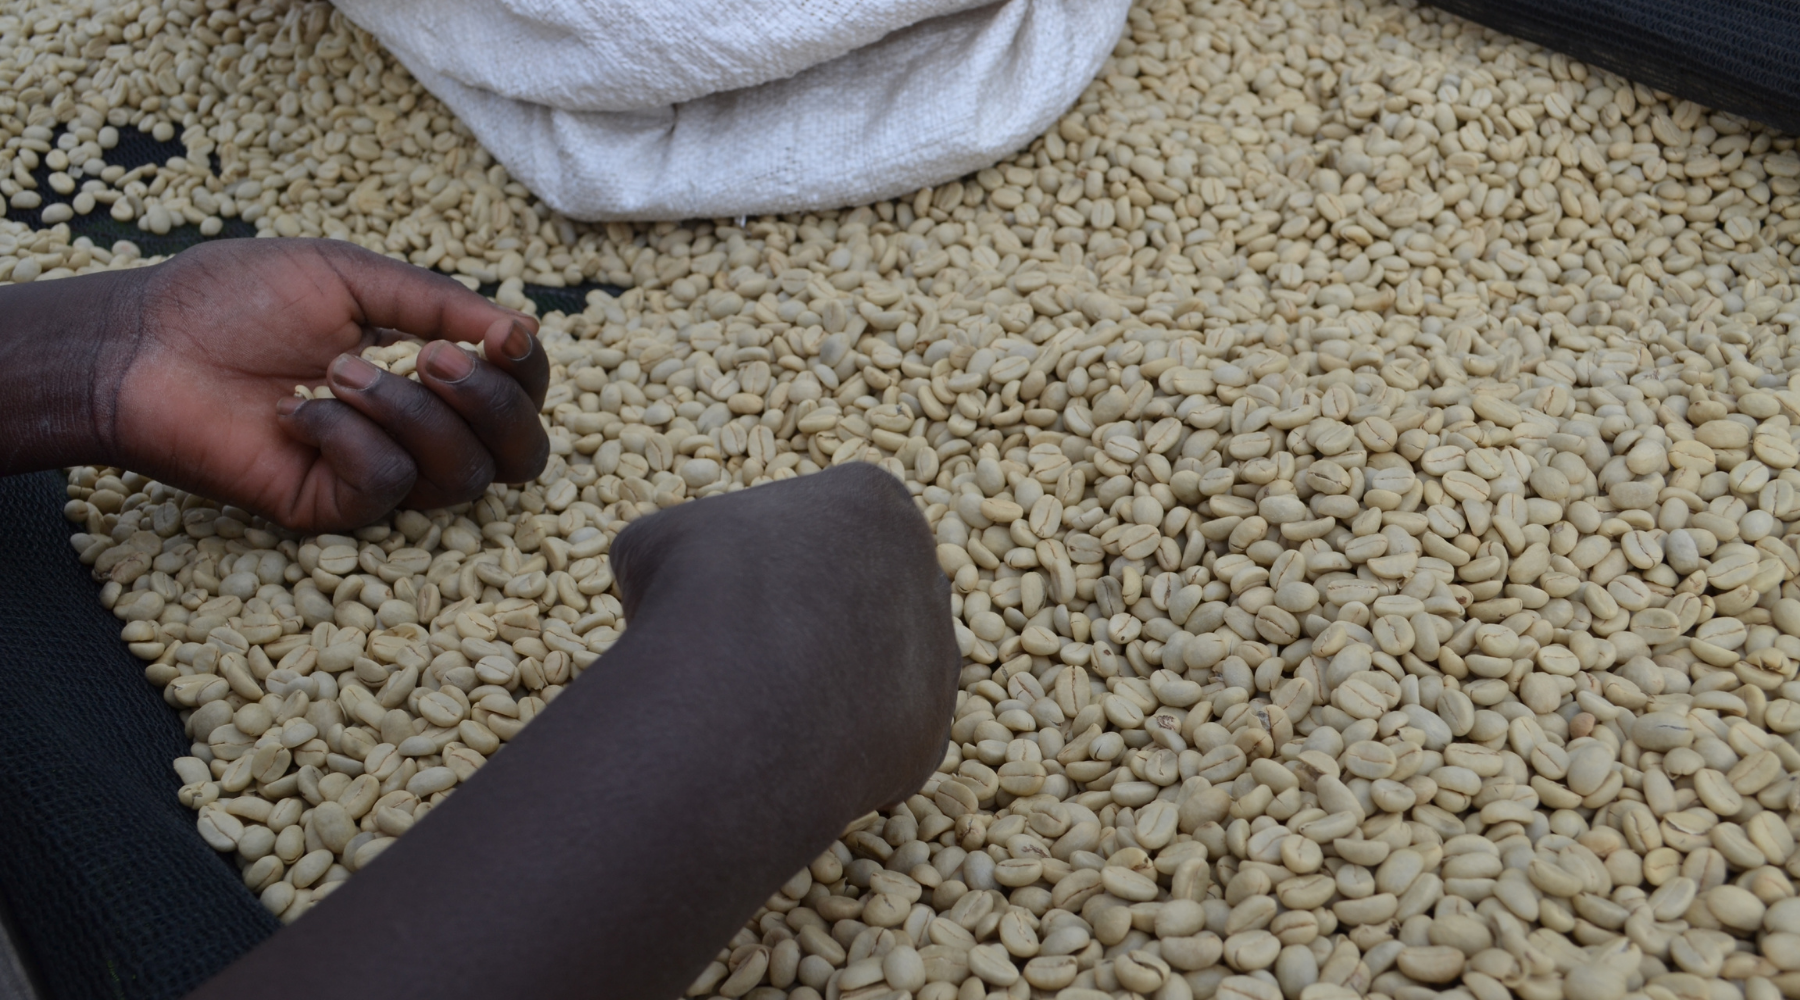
column 389, row 476
column 412, row 403
column 394, row 395
column 323, row 417
column 472, row 479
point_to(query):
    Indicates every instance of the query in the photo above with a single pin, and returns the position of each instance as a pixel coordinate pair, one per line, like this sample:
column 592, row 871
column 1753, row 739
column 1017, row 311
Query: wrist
column 69, row 344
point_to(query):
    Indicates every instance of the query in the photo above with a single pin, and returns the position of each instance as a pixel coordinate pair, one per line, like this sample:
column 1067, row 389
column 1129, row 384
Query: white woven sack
column 673, row 109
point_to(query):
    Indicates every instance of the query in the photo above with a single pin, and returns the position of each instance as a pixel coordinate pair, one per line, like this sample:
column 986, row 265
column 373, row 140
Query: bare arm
column 57, row 402
column 789, row 665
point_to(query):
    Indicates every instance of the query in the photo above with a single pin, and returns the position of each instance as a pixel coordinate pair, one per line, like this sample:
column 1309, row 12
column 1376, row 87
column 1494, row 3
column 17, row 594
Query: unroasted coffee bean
column 1361, row 445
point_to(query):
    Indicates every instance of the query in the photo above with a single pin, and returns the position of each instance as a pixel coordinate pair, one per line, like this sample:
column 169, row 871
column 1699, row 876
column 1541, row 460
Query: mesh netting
column 1741, row 56
column 137, row 148
column 112, row 892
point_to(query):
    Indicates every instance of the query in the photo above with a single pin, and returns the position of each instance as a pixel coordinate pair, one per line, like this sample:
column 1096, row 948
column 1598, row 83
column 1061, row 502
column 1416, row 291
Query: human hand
column 790, row 664
column 832, row 581
column 204, row 351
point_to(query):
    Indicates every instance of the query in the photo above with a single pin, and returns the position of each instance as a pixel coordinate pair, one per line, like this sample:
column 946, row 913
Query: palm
column 221, row 345
column 225, row 332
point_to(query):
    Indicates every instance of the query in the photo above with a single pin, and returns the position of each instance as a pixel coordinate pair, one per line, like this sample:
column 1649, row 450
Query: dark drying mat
column 137, row 148
column 1738, row 56
column 111, row 892
column 134, row 150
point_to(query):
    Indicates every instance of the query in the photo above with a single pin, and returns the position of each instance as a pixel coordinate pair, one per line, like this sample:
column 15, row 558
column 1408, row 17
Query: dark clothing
column 112, row 892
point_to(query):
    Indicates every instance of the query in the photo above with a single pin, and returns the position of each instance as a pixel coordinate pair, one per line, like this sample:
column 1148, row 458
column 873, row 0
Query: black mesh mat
column 134, row 150
column 138, row 148
column 1740, row 56
column 112, row 892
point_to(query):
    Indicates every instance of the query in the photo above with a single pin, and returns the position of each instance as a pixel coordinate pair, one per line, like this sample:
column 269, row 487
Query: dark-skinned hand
column 789, row 666
column 185, row 371
column 789, row 663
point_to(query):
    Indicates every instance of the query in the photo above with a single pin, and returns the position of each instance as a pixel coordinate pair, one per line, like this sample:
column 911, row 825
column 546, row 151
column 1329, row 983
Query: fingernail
column 518, row 343
column 448, row 362
column 286, row 405
column 353, row 372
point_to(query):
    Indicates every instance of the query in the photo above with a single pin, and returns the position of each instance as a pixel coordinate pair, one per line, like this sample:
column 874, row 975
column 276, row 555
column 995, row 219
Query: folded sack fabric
column 671, row 109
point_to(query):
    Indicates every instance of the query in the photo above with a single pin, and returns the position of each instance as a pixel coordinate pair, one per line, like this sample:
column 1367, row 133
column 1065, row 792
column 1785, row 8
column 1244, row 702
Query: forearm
column 619, row 840
column 789, row 665
column 67, row 345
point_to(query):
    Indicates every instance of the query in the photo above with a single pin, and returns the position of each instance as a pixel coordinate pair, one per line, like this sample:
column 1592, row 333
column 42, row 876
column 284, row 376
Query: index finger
column 411, row 299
